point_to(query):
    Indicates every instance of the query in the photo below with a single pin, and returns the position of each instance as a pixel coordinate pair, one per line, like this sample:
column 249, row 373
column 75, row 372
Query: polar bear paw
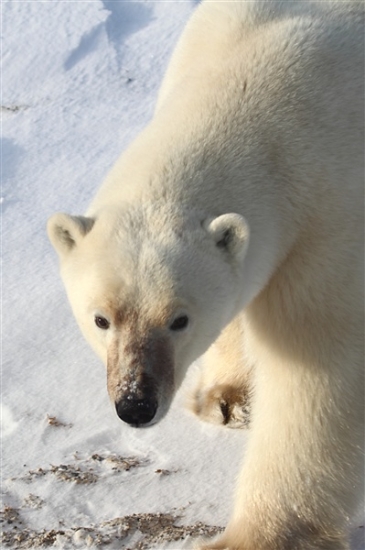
column 222, row 404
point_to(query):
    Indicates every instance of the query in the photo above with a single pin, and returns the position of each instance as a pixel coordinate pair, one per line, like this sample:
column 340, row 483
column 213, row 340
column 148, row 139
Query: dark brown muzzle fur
column 140, row 373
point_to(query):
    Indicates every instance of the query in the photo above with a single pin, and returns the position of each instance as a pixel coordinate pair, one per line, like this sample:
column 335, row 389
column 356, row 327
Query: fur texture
column 233, row 225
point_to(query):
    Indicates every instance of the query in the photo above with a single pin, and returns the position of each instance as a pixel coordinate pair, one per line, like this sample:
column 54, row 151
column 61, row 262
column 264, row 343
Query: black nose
column 136, row 411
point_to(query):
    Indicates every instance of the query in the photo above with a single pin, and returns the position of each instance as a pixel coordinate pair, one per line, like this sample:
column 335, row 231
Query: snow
column 79, row 80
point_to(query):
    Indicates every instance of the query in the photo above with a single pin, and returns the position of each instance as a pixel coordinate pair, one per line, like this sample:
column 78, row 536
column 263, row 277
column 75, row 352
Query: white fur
column 241, row 206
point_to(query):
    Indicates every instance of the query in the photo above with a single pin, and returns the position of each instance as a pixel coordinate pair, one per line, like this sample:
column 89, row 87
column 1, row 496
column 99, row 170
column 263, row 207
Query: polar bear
column 232, row 227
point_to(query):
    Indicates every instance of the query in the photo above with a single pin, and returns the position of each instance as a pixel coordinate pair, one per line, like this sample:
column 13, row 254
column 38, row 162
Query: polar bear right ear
column 64, row 231
column 230, row 232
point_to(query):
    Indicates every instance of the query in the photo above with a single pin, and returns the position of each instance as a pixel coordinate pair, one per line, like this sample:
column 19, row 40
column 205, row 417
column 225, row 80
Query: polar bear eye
column 101, row 322
column 179, row 323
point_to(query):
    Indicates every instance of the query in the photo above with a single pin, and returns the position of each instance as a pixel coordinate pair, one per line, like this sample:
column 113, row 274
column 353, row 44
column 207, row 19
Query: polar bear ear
column 65, row 231
column 230, row 232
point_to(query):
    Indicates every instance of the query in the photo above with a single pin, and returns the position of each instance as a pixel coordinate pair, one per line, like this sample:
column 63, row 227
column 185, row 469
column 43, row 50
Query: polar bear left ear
column 230, row 232
column 64, row 231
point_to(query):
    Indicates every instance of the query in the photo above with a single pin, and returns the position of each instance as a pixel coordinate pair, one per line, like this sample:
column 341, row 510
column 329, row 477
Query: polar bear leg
column 221, row 393
column 300, row 480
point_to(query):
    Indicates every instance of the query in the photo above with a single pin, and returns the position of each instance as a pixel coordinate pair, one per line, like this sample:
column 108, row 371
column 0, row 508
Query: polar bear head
column 151, row 290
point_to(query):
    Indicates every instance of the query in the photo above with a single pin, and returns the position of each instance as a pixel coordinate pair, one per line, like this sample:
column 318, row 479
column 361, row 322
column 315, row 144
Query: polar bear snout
column 135, row 411
column 140, row 376
column 135, row 397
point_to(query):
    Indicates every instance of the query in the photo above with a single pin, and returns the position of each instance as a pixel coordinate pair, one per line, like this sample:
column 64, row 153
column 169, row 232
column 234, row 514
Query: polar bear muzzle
column 135, row 396
column 140, row 375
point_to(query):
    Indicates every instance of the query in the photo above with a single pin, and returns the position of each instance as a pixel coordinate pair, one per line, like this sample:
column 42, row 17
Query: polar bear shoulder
column 219, row 32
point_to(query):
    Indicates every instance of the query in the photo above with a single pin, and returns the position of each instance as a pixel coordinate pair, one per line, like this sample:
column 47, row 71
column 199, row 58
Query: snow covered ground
column 79, row 80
